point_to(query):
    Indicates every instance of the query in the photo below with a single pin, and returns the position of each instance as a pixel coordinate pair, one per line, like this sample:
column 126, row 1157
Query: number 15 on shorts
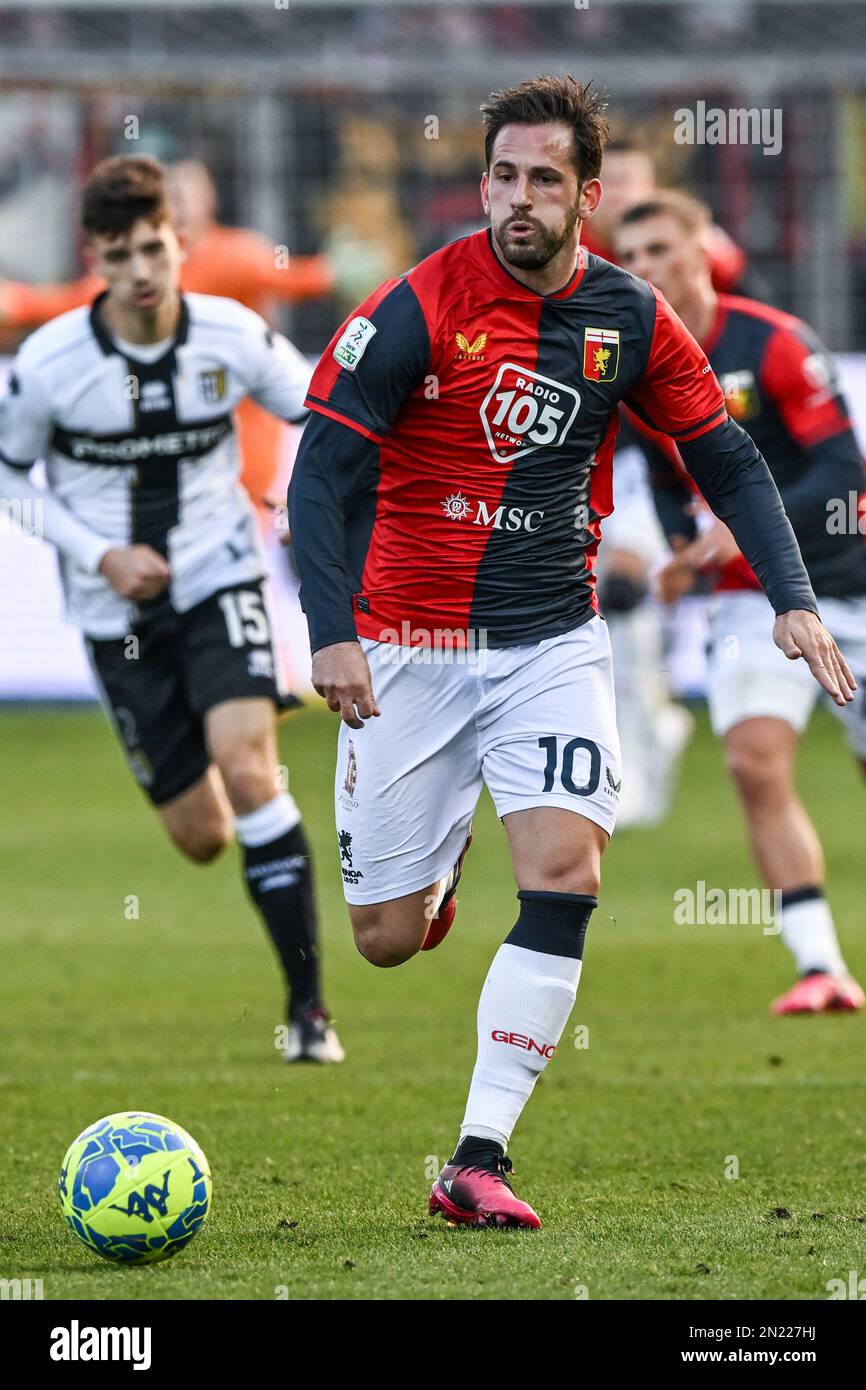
column 246, row 621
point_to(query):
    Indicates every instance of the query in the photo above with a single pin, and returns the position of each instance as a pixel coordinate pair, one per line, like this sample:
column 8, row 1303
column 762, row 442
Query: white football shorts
column 750, row 678
column 536, row 723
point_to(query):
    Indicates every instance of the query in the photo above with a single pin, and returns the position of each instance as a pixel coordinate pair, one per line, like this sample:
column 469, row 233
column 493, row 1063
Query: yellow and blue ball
column 135, row 1187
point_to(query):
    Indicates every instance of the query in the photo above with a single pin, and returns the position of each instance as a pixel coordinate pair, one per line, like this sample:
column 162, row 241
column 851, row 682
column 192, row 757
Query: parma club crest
column 212, row 385
column 600, row 353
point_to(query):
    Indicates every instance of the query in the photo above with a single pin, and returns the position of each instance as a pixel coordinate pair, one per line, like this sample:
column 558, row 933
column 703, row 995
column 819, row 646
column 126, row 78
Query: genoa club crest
column 600, row 353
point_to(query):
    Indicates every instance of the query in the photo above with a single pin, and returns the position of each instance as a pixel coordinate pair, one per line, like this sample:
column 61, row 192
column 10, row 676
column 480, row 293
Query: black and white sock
column 809, row 933
column 524, row 1006
column 279, row 878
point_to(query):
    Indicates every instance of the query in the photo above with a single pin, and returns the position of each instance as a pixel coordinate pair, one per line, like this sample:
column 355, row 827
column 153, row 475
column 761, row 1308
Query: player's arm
column 275, row 373
column 679, row 395
column 373, row 362
column 799, row 376
column 302, row 277
column 136, row 572
column 28, row 306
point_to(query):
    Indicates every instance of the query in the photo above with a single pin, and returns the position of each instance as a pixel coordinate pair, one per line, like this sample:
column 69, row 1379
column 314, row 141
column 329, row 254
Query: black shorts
column 158, row 683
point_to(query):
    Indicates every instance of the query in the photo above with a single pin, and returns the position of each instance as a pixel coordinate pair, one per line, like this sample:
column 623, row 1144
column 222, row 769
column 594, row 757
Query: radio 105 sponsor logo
column 524, row 410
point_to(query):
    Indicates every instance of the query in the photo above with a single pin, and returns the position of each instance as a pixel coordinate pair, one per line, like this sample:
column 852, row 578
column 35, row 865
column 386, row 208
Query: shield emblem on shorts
column 351, row 771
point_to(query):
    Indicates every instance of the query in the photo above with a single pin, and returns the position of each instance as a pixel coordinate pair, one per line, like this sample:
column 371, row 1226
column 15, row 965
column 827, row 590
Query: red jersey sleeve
column 374, row 361
column 678, row 393
column 799, row 376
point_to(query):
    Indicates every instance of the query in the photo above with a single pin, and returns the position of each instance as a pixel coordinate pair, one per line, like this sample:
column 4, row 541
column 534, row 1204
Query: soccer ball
column 135, row 1187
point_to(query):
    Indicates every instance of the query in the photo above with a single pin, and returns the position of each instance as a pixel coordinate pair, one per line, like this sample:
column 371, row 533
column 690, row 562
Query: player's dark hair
column 692, row 215
column 546, row 99
column 627, row 144
column 120, row 191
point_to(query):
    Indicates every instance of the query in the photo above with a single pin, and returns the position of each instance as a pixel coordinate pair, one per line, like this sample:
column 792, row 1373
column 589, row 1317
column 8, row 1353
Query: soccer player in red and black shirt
column 445, row 508
column 780, row 384
column 628, row 175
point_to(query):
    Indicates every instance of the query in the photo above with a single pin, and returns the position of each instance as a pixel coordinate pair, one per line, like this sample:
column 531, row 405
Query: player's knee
column 201, row 843
column 572, row 878
column 760, row 774
column 249, row 781
column 377, row 940
column 563, row 872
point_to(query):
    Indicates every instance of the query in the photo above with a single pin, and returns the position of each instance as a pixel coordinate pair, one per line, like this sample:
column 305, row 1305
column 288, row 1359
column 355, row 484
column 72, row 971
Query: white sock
column 809, row 933
column 268, row 822
column 524, row 1006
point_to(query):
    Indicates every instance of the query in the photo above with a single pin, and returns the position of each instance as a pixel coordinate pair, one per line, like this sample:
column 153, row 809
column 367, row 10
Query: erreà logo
column 353, row 343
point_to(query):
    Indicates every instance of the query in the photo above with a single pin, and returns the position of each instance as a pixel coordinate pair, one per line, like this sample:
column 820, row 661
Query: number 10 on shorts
column 564, row 767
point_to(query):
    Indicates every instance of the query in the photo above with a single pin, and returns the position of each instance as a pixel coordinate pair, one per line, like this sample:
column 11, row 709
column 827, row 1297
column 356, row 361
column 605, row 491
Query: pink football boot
column 467, row 1195
column 820, row 993
column 442, row 923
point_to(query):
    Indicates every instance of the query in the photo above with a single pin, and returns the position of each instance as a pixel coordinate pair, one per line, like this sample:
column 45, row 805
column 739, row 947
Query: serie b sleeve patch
column 353, row 343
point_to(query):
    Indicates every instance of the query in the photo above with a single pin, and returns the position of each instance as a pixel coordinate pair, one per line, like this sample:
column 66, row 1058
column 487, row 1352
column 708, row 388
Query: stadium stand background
column 316, row 118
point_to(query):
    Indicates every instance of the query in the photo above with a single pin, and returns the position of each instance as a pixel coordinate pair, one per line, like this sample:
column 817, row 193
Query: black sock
column 279, row 878
column 479, row 1153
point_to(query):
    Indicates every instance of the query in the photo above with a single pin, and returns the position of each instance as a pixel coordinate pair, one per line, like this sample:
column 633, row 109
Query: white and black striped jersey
column 145, row 451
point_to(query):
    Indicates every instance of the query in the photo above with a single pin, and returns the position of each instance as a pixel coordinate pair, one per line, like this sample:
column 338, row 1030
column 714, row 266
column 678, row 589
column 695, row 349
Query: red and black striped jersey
column 483, row 416
column 782, row 387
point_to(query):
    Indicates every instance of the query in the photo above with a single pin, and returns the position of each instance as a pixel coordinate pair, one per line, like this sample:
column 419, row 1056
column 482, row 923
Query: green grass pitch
column 321, row 1175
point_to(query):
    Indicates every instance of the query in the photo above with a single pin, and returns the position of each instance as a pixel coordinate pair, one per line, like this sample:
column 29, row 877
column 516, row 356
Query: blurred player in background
column 220, row 260
column 129, row 402
column 630, row 177
column 446, row 504
column 780, row 384
column 654, row 731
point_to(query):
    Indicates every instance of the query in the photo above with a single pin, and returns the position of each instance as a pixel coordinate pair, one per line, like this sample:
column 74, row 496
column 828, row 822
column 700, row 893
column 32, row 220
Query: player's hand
column 341, row 674
column 135, row 572
column 800, row 633
column 712, row 549
column 675, row 578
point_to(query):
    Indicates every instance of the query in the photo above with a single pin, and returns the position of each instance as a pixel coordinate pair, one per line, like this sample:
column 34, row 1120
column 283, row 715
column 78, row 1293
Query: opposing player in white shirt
column 129, row 402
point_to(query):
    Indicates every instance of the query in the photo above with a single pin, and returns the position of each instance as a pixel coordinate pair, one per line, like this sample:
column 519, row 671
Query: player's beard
column 545, row 245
